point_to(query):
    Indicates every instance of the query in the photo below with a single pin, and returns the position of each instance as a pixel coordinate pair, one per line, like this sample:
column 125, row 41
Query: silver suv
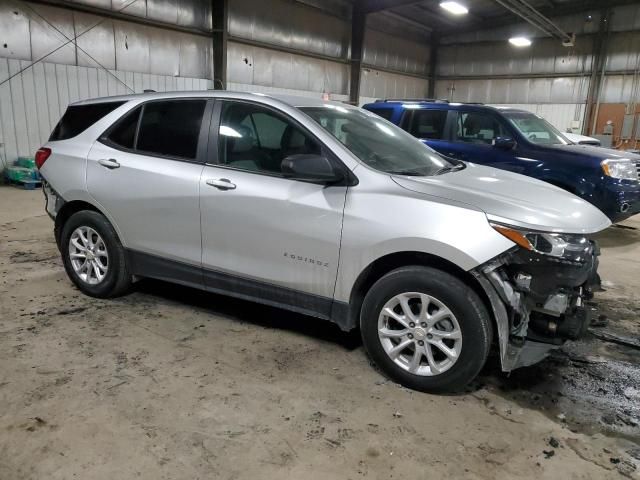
column 327, row 210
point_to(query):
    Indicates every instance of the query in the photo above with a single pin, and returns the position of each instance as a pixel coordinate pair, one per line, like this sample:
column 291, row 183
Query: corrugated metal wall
column 295, row 27
column 388, row 52
column 561, row 116
column 112, row 44
column 32, row 103
column 111, row 57
column 481, row 66
column 252, row 65
column 502, row 90
column 379, row 84
column 275, row 46
column 290, row 24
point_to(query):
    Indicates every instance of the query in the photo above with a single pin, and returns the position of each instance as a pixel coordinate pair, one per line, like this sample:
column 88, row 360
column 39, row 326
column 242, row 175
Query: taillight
column 41, row 156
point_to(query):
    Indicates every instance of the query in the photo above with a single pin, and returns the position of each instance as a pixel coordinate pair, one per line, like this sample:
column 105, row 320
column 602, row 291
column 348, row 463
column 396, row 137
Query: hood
column 512, row 199
column 577, row 138
column 591, row 151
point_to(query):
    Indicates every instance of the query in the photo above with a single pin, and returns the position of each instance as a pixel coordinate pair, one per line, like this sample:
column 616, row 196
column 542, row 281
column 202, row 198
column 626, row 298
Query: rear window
column 78, row 118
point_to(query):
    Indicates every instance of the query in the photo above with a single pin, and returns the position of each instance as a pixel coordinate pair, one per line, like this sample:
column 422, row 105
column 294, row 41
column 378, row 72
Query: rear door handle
column 109, row 163
column 221, row 183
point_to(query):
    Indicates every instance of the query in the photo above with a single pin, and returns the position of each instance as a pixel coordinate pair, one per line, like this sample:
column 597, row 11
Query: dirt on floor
column 173, row 383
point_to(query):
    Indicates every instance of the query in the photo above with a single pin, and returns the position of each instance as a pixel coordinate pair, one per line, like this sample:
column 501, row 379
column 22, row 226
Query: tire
column 116, row 278
column 453, row 310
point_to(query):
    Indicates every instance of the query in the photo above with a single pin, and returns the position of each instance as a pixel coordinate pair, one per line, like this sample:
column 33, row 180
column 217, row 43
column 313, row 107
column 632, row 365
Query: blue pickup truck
column 521, row 142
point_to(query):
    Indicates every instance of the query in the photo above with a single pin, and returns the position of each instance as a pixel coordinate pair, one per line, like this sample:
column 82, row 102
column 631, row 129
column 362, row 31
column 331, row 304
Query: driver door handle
column 109, row 163
column 221, row 183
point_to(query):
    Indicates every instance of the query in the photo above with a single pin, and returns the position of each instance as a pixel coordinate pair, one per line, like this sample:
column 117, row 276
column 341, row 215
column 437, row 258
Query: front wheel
column 93, row 255
column 426, row 329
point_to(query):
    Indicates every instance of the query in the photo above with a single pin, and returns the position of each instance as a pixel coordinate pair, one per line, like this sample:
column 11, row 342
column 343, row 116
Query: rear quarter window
column 78, row 118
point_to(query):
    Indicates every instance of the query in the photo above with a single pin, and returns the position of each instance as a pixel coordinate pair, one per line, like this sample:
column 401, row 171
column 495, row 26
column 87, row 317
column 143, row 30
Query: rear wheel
column 426, row 329
column 93, row 256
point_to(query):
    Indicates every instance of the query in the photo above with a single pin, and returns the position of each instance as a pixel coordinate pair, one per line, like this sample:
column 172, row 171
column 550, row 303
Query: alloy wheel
column 89, row 256
column 420, row 334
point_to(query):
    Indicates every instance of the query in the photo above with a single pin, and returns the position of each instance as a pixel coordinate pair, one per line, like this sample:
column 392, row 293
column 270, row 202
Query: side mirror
column 504, row 143
column 311, row 168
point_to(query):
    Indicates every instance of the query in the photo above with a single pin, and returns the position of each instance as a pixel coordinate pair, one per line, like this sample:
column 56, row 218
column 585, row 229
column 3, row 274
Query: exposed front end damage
column 538, row 300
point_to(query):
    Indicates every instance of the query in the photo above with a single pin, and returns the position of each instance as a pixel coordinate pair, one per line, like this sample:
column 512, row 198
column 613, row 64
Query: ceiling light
column 454, row 7
column 519, row 41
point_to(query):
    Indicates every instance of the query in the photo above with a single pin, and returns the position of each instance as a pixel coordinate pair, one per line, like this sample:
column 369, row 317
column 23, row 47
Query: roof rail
column 148, row 90
column 412, row 100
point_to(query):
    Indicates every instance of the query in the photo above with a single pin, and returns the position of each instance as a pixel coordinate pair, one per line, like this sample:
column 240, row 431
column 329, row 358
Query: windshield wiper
column 451, row 168
column 409, row 172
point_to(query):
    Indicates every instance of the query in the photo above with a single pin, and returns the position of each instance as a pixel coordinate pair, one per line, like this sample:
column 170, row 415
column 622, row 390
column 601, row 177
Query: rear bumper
column 538, row 302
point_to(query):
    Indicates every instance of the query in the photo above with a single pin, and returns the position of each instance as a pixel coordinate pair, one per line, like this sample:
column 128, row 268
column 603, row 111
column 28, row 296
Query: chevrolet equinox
column 327, row 210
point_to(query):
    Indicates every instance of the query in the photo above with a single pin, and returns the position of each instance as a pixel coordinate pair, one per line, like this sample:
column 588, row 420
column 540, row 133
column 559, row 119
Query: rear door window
column 78, row 118
column 171, row 128
column 478, row 127
column 428, row 124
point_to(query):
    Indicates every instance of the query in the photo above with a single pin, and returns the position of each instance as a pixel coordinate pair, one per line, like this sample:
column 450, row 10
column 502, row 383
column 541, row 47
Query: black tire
column 470, row 312
column 118, row 278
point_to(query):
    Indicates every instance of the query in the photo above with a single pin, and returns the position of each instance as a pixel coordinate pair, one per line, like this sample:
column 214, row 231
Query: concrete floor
column 169, row 382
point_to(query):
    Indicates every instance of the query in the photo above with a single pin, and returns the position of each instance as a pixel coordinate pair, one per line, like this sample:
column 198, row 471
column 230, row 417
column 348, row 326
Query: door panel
column 145, row 172
column 153, row 201
column 272, row 229
column 263, row 227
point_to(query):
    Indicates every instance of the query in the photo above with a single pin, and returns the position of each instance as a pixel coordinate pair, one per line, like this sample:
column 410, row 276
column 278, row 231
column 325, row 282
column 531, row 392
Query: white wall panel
column 386, row 51
column 516, row 90
column 379, row 84
column 33, row 101
column 251, row 65
column 290, row 24
column 112, row 44
column 560, row 116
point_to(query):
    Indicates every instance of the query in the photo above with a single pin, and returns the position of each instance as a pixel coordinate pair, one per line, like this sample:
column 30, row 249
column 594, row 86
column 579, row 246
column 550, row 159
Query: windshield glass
column 378, row 143
column 536, row 129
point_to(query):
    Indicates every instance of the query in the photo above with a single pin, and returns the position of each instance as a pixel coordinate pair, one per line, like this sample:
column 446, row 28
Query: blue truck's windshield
column 536, row 129
column 378, row 143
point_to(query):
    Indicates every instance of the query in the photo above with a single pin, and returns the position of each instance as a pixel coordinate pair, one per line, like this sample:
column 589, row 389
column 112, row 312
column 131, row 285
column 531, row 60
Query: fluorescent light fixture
column 520, row 41
column 454, row 7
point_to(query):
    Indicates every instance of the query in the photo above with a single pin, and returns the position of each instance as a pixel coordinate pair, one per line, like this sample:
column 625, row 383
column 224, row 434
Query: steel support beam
column 220, row 37
column 600, row 46
column 433, row 66
column 358, row 26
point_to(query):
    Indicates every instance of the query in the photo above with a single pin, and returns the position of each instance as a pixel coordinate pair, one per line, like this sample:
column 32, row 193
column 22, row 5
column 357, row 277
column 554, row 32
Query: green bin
column 26, row 162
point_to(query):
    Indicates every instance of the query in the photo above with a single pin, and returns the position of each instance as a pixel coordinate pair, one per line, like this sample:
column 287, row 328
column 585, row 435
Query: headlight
column 620, row 168
column 562, row 245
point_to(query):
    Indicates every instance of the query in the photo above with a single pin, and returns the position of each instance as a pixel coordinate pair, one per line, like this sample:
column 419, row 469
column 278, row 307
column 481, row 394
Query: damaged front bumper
column 538, row 301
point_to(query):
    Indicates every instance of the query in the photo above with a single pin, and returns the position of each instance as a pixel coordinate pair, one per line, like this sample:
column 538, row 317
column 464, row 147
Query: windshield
column 536, row 129
column 378, row 143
